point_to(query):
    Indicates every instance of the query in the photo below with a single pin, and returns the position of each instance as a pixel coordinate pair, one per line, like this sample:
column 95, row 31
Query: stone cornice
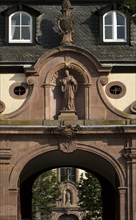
column 53, row 130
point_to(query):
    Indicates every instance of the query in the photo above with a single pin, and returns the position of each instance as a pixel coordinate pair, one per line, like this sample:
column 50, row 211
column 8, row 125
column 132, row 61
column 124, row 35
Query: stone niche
column 60, row 106
column 52, row 69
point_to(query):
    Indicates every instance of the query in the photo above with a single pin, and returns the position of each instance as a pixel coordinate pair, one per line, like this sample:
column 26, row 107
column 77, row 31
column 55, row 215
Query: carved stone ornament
column 30, row 80
column 2, row 106
column 5, row 152
column 67, row 145
column 65, row 135
column 65, row 23
column 65, row 131
column 133, row 107
column 104, row 80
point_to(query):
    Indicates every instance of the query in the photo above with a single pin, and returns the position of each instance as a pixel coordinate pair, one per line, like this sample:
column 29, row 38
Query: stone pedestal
column 67, row 115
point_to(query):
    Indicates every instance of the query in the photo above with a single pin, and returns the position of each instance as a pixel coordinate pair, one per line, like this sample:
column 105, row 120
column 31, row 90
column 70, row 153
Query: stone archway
column 68, row 217
column 44, row 157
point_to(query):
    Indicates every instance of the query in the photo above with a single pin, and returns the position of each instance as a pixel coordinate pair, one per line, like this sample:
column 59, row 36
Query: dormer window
column 20, row 27
column 20, row 22
column 114, row 27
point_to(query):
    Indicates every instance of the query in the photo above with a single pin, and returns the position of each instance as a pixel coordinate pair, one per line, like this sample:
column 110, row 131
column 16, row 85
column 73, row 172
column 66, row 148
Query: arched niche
column 81, row 65
column 69, row 194
column 68, row 217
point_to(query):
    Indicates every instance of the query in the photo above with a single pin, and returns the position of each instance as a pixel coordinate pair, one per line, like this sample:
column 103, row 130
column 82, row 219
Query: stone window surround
column 115, row 96
column 12, row 87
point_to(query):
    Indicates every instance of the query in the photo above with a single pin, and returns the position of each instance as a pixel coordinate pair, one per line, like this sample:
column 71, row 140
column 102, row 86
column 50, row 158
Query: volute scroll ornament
column 30, row 80
column 2, row 106
column 133, row 107
column 104, row 80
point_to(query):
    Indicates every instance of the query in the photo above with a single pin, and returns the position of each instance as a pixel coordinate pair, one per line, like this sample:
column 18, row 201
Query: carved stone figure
column 68, row 198
column 68, row 87
column 65, row 23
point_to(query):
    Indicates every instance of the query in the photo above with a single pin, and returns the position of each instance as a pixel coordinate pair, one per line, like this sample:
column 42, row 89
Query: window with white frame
column 114, row 27
column 20, row 27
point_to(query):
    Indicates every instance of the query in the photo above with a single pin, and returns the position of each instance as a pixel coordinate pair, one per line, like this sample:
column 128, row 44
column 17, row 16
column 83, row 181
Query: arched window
column 67, row 173
column 114, row 27
column 20, row 27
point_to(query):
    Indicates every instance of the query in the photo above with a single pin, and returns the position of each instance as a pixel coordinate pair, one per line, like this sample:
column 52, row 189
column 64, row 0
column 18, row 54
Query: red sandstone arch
column 88, row 153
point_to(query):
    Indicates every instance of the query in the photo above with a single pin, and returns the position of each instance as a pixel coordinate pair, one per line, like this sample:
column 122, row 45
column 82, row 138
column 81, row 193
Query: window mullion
column 114, row 26
column 20, row 25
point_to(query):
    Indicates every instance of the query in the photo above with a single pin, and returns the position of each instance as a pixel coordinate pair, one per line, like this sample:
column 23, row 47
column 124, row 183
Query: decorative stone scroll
column 133, row 107
column 2, row 106
column 104, row 80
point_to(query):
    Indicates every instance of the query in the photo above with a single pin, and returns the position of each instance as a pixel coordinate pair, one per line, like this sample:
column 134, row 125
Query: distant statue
column 68, row 198
column 68, row 87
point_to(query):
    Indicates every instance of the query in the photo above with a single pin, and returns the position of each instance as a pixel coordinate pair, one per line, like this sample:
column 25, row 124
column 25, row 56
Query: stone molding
column 102, row 81
column 5, row 152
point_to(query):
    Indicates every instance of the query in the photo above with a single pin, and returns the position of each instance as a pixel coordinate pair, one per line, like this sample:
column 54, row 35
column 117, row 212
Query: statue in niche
column 68, row 198
column 69, row 88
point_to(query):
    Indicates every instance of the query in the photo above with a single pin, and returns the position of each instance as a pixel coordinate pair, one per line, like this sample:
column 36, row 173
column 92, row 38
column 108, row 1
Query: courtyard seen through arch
column 109, row 188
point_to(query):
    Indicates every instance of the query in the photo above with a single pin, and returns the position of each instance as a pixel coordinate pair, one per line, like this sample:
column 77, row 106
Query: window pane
column 25, row 19
column 108, row 19
column 25, row 33
column 15, row 20
column 120, row 20
column 15, row 33
column 120, row 33
column 108, row 32
column 68, row 173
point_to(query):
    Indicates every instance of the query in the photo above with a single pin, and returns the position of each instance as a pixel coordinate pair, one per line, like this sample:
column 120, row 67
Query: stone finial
column 65, row 23
column 66, row 5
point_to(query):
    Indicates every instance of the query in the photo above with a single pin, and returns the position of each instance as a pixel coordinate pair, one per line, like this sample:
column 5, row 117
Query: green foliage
column 132, row 6
column 45, row 192
column 90, row 196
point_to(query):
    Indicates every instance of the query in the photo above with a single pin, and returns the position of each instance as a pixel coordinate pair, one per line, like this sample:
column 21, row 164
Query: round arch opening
column 68, row 217
column 98, row 165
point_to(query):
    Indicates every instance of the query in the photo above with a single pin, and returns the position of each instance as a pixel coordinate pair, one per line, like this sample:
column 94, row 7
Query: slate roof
column 55, row 1
column 86, row 36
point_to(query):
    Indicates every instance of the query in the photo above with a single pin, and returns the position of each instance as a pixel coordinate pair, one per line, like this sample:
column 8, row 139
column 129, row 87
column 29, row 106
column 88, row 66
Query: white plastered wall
column 129, row 80
column 6, row 80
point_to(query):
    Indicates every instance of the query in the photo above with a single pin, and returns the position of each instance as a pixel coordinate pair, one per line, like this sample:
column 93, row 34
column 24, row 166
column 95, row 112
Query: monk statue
column 68, row 87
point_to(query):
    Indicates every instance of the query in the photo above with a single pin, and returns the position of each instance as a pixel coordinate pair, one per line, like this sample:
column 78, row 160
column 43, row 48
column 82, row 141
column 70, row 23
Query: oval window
column 19, row 90
column 115, row 90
